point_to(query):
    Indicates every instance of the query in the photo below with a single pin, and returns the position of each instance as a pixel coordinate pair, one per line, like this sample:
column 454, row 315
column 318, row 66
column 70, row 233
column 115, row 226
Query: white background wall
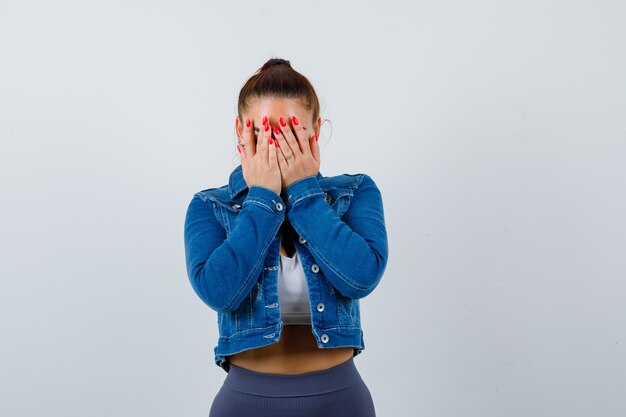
column 495, row 130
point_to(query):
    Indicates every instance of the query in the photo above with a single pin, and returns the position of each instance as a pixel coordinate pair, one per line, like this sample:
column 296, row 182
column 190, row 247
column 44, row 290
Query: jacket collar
column 236, row 182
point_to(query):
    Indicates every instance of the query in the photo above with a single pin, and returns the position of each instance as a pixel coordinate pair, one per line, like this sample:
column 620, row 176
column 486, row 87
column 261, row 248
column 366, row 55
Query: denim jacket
column 232, row 243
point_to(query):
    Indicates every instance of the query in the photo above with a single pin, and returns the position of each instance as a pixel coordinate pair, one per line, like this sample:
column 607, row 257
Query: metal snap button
column 327, row 197
column 320, row 307
column 279, row 206
column 315, row 268
column 301, row 239
column 324, row 338
column 236, row 206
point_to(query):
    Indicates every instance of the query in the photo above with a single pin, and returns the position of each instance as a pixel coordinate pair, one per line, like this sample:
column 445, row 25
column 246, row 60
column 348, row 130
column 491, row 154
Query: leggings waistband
column 290, row 385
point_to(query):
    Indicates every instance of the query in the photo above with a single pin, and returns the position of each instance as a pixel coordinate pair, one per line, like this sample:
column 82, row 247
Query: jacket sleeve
column 352, row 250
column 222, row 270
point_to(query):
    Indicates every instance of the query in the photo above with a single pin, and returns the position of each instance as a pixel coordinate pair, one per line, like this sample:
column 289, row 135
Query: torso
column 296, row 352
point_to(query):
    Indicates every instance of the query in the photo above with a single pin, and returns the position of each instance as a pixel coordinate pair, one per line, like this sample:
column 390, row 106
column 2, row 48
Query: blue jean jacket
column 232, row 243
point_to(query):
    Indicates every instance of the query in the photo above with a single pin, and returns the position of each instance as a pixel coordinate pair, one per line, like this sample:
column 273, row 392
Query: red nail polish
column 270, row 141
column 264, row 120
column 317, row 137
column 267, row 127
column 238, row 150
column 248, row 122
column 276, row 143
column 283, row 123
column 295, row 121
column 276, row 130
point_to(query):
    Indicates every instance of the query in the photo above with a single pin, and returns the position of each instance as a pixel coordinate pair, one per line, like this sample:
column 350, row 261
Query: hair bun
column 275, row 61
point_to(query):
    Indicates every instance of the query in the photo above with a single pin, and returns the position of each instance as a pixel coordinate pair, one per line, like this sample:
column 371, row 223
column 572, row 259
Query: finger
column 288, row 142
column 301, row 136
column 242, row 153
column 248, row 139
column 263, row 143
column 273, row 153
column 315, row 147
column 282, row 162
column 285, row 149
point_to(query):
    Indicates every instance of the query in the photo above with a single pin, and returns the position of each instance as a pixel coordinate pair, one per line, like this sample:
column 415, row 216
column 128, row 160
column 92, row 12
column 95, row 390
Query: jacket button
column 324, row 338
column 328, row 198
column 301, row 239
column 320, row 307
column 236, row 206
column 315, row 268
column 279, row 206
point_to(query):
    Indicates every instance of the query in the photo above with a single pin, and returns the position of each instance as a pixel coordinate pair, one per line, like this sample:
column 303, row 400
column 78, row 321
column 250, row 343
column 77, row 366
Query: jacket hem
column 340, row 336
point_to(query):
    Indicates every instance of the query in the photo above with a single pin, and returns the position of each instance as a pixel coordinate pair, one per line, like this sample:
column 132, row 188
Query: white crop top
column 293, row 292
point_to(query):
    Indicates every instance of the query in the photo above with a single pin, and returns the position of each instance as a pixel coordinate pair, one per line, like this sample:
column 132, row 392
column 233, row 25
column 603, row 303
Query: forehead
column 277, row 106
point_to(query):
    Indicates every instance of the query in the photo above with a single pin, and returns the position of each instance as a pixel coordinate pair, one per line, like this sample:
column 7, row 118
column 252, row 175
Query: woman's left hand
column 299, row 154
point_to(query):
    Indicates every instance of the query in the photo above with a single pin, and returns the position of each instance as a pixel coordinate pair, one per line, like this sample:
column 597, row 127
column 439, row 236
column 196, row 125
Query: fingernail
column 264, row 120
column 295, row 121
column 270, row 140
column 283, row 123
column 238, row 150
column 267, row 127
column 276, row 130
column 248, row 122
column 317, row 136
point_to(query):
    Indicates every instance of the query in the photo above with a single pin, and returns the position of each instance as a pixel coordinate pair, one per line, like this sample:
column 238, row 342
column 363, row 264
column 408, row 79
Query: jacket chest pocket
column 226, row 215
column 339, row 200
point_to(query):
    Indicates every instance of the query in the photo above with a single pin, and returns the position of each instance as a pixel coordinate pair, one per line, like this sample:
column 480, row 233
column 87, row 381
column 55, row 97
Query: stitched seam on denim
column 306, row 195
column 339, row 187
column 258, row 203
column 346, row 311
column 250, row 330
column 224, row 218
column 224, row 205
column 203, row 197
column 259, row 329
column 355, row 186
column 324, row 329
column 359, row 181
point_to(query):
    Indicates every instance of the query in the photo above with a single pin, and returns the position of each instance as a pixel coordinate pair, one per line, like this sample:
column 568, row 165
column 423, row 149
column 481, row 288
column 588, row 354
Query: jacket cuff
column 303, row 188
column 266, row 198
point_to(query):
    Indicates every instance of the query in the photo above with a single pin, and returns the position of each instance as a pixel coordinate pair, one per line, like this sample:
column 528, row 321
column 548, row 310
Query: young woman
column 283, row 254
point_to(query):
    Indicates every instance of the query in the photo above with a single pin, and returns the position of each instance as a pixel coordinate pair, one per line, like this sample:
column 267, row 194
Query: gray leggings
column 334, row 392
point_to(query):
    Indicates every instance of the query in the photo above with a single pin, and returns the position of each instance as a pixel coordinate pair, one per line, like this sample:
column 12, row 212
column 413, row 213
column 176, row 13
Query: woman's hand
column 299, row 152
column 259, row 163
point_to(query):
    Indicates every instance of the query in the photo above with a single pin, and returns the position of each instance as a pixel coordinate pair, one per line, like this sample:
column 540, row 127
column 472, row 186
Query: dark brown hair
column 277, row 78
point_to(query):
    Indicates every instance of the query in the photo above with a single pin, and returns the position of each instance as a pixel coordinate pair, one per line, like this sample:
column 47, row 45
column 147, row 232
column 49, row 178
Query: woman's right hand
column 259, row 162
